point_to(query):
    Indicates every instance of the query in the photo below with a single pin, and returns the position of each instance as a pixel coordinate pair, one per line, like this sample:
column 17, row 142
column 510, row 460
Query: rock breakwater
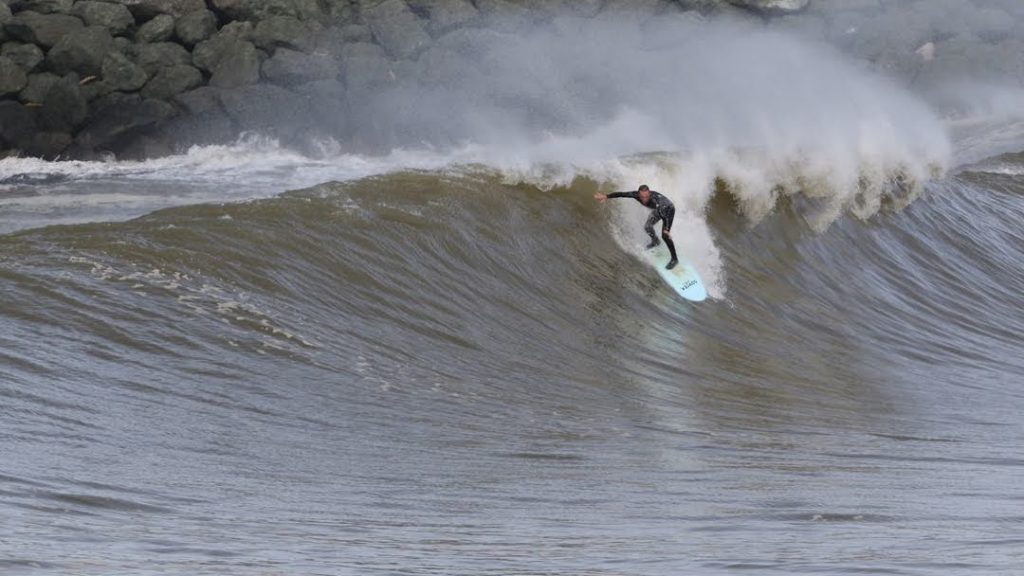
column 142, row 78
column 137, row 78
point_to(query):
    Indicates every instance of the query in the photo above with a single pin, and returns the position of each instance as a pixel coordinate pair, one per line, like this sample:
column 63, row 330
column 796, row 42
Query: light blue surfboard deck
column 683, row 278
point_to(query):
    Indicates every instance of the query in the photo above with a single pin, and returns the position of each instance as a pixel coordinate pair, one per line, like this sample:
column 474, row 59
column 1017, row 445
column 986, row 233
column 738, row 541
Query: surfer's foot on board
column 671, row 264
column 654, row 243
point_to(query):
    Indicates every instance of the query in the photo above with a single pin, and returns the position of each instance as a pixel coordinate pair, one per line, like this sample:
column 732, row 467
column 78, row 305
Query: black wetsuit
column 661, row 209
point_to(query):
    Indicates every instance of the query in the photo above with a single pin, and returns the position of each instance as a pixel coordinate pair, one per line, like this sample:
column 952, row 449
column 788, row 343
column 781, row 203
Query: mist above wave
column 763, row 112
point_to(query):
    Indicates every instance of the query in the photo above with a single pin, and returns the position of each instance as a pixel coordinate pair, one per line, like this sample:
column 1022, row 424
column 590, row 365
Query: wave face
column 413, row 362
column 449, row 359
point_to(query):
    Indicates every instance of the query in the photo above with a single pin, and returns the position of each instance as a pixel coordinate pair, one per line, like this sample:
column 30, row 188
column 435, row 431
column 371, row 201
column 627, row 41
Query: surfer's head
column 644, row 192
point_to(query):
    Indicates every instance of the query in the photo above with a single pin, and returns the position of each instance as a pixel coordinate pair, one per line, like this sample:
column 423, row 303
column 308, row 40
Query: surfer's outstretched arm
column 602, row 197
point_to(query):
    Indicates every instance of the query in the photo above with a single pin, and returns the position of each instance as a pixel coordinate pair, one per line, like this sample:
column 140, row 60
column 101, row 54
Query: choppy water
column 442, row 363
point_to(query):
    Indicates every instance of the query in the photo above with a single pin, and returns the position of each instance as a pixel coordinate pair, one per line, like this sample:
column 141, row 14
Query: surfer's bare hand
column 601, row 197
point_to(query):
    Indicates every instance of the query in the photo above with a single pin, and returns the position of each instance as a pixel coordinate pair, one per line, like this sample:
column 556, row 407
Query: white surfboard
column 683, row 278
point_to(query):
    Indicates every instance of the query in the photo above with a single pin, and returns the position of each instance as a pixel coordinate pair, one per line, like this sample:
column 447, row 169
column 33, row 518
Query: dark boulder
column 47, row 144
column 115, row 117
column 37, row 87
column 239, row 30
column 81, row 51
column 208, row 53
column 95, row 88
column 121, row 44
column 195, row 27
column 172, row 80
column 159, row 29
column 283, row 32
column 42, row 6
column 312, row 11
column 5, row 17
column 153, row 57
column 396, row 28
column 145, row 10
column 42, row 29
column 236, row 64
column 122, row 74
column 64, row 106
column 12, row 77
column 199, row 101
column 17, row 123
column 27, row 56
column 114, row 17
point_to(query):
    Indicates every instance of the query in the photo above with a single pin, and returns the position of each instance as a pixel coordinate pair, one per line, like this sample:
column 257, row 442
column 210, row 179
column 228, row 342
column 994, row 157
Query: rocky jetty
column 87, row 78
column 138, row 78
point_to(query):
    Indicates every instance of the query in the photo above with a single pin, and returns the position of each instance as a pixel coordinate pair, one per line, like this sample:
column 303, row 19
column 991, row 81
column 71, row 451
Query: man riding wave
column 661, row 209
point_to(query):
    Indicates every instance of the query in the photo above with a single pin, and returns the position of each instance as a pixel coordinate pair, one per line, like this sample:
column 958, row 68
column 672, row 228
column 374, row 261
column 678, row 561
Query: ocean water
column 447, row 358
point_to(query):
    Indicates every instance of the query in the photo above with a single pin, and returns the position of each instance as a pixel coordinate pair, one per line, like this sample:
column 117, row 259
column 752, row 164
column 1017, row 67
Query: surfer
column 661, row 209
